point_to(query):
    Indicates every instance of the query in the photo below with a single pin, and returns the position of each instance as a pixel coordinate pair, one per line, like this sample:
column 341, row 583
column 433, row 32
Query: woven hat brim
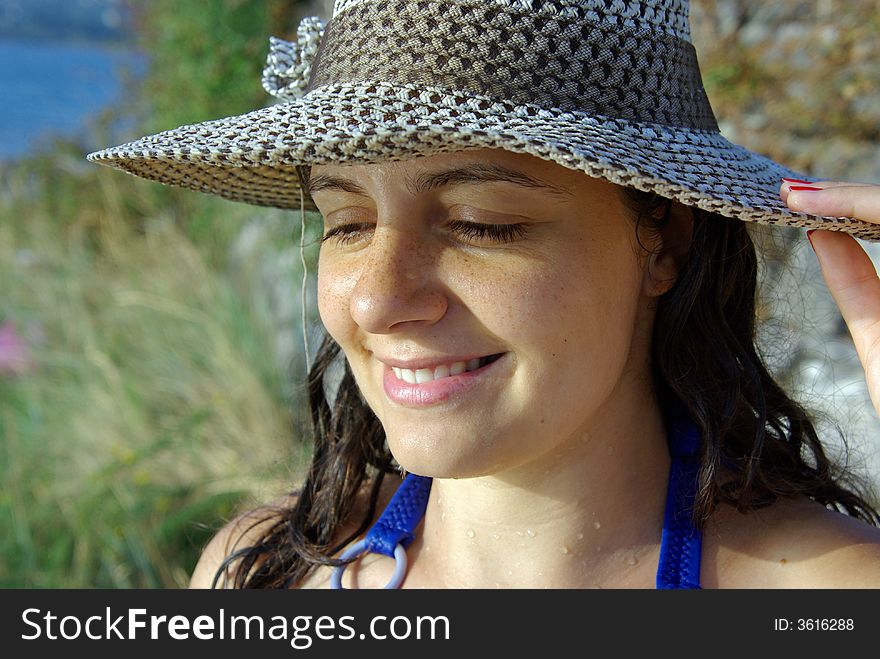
column 252, row 157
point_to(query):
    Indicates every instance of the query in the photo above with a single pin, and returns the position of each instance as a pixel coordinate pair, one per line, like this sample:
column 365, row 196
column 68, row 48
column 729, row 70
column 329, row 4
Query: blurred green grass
column 154, row 407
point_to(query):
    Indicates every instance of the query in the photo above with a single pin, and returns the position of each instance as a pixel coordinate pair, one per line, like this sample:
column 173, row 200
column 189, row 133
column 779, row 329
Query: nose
column 398, row 283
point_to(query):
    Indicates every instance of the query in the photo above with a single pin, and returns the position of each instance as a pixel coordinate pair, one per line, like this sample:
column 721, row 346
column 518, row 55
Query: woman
column 544, row 307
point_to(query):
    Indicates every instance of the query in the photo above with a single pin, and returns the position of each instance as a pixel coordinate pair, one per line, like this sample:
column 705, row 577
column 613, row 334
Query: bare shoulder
column 249, row 527
column 791, row 544
column 240, row 532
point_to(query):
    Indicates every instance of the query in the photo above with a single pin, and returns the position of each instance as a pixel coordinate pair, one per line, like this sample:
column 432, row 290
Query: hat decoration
column 289, row 64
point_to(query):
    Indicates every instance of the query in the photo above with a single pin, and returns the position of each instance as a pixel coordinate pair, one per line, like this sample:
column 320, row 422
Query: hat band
column 509, row 54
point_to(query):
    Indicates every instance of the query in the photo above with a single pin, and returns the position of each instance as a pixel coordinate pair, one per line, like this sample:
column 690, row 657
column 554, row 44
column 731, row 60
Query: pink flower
column 15, row 358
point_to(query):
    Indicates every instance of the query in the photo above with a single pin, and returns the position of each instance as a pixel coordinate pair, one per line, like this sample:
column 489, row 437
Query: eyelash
column 502, row 233
column 344, row 233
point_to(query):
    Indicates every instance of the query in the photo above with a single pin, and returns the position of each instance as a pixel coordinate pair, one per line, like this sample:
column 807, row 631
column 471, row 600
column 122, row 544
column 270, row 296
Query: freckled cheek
column 520, row 306
column 335, row 285
column 559, row 314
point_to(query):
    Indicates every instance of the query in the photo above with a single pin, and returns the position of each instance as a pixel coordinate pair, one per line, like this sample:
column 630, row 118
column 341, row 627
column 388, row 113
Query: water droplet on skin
column 632, row 560
column 597, row 525
column 510, row 573
column 565, row 550
column 442, row 515
column 531, row 533
column 580, row 536
column 470, row 533
column 520, row 534
column 495, row 536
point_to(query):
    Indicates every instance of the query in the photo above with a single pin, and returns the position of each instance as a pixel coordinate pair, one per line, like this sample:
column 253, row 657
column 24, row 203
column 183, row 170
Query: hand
column 847, row 269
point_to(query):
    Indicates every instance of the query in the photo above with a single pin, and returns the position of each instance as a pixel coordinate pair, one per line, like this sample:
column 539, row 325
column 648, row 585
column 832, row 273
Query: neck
column 589, row 514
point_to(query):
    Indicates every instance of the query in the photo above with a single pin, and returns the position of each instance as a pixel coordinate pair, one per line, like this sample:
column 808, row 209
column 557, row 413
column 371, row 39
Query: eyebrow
column 475, row 173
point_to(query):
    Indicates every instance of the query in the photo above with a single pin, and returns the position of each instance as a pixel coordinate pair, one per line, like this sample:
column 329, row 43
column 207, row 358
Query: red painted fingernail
column 794, row 180
column 804, row 187
column 810, row 238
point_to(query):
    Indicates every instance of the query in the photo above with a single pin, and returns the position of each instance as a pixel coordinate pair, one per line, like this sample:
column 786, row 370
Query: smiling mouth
column 422, row 375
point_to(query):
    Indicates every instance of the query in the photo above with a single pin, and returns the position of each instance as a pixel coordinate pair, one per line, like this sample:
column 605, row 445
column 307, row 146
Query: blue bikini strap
column 398, row 522
column 394, row 531
column 681, row 542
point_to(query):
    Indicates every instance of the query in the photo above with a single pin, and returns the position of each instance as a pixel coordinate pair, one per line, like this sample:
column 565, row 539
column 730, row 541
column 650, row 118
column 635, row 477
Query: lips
column 439, row 383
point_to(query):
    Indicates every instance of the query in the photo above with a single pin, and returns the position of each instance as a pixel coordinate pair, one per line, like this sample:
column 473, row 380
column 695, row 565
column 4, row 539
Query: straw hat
column 611, row 88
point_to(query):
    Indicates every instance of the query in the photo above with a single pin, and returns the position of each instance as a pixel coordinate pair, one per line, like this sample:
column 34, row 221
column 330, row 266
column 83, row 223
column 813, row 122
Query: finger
column 787, row 183
column 853, row 282
column 847, row 200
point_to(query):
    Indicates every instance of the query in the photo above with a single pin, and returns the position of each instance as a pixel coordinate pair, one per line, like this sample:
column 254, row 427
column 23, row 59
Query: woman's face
column 490, row 304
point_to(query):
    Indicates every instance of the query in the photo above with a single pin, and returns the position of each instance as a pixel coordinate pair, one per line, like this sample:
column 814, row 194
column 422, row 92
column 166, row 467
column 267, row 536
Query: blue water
column 50, row 88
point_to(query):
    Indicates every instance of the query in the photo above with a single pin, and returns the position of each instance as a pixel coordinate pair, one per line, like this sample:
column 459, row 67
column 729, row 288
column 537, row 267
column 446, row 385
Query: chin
column 448, row 473
column 438, row 463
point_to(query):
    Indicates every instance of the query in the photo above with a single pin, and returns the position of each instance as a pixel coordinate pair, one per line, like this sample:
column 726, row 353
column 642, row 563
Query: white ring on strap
column 359, row 548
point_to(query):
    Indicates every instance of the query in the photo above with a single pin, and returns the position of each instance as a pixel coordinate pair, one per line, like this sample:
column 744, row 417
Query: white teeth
column 457, row 367
column 422, row 375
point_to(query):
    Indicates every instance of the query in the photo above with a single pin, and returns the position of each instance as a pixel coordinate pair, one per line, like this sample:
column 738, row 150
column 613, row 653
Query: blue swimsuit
column 680, row 542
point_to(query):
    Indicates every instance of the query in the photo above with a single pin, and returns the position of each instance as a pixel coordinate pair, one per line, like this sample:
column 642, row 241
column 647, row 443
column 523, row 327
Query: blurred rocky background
column 799, row 81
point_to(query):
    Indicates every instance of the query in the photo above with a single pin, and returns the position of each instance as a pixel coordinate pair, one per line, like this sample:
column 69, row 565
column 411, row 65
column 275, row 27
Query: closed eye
column 346, row 233
column 502, row 233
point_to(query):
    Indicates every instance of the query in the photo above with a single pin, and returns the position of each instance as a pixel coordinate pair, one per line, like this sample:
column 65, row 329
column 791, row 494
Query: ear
column 670, row 247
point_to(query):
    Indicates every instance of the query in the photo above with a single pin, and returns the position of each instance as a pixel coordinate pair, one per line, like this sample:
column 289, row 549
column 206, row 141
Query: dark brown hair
column 759, row 445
